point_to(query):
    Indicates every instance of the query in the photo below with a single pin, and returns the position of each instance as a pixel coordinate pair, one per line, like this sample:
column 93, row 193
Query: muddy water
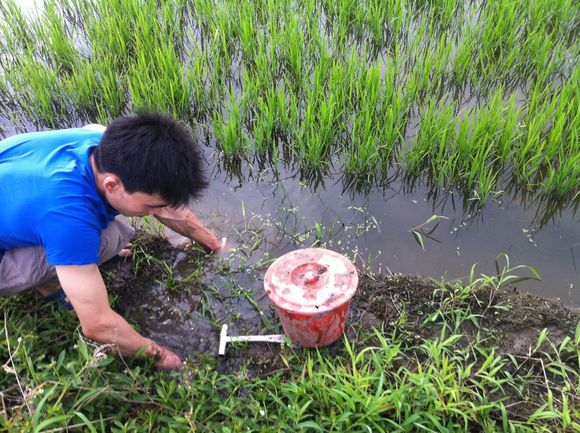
column 373, row 228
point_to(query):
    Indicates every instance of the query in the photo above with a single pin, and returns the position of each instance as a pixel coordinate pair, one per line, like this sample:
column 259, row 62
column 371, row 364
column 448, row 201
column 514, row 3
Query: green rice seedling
column 509, row 130
column 464, row 57
column 550, row 121
column 340, row 84
column 529, row 153
column 352, row 79
column 344, row 14
column 227, row 127
column 245, row 29
column 363, row 156
column 161, row 66
column 114, row 94
column 371, row 140
column 316, row 131
column 536, row 58
column 498, row 45
column 16, row 29
column 257, row 76
column 421, row 62
column 83, row 86
column 172, row 15
column 318, row 49
column 561, row 178
column 394, row 119
column 476, row 174
column 482, row 181
column 370, row 88
column 470, row 151
column 493, row 135
column 272, row 46
column 59, row 49
column 252, row 86
column 432, row 144
column 220, row 41
column 556, row 17
column 197, row 76
column 359, row 21
column 109, row 29
column 376, row 20
column 266, row 121
column 441, row 54
column 219, row 61
column 286, row 110
column 442, row 13
column 263, row 68
column 560, row 161
column 338, row 37
column 292, row 52
column 203, row 11
column 399, row 16
column 37, row 90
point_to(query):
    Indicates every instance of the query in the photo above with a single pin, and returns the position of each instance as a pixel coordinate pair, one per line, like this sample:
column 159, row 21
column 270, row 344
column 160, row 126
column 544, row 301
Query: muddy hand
column 210, row 243
column 167, row 360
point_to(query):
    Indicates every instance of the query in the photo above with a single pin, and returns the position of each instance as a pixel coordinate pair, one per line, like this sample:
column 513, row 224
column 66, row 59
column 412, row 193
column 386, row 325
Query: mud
column 510, row 318
column 186, row 312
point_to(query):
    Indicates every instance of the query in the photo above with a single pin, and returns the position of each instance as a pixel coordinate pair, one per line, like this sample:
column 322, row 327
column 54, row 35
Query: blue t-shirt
column 48, row 195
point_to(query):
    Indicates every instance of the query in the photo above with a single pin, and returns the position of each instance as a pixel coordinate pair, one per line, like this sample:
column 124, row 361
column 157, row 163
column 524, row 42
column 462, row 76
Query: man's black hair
column 154, row 154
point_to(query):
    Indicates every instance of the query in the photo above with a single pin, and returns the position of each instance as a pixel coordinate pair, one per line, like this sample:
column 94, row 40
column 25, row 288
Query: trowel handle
column 276, row 338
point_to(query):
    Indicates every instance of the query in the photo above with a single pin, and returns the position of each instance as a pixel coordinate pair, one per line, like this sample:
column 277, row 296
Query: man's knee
column 22, row 269
column 114, row 238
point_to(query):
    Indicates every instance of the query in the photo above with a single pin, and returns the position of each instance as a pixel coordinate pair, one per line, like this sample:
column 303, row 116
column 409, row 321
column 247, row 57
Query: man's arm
column 183, row 221
column 85, row 289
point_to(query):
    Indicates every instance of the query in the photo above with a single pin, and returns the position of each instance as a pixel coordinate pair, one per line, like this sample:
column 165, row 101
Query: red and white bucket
column 311, row 290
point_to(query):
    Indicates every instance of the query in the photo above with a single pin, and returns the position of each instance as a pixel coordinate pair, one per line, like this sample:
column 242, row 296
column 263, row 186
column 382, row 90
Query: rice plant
column 351, row 79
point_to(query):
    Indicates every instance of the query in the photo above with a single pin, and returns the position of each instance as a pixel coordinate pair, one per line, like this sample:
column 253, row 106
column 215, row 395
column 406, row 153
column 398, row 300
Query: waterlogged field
column 468, row 92
column 410, row 135
column 415, row 108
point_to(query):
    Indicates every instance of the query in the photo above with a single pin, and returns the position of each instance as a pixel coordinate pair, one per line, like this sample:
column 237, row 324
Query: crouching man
column 60, row 192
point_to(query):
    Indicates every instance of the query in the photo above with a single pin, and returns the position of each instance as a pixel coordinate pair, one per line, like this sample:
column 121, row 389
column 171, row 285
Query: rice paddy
column 471, row 94
column 479, row 97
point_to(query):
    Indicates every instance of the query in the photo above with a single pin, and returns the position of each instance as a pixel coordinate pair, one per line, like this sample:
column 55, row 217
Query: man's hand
column 183, row 221
column 86, row 291
column 165, row 358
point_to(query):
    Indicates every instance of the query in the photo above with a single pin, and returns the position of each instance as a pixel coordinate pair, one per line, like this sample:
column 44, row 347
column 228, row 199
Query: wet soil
column 186, row 314
column 510, row 318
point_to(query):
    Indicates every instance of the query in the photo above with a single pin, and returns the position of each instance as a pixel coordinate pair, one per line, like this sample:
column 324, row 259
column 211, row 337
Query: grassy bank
column 417, row 357
column 471, row 93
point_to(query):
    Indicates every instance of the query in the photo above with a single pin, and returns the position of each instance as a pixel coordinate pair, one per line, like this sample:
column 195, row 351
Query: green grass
column 384, row 380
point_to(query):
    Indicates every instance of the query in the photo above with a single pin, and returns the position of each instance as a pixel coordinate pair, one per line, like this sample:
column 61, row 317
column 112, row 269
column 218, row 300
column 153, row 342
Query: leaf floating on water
column 418, row 238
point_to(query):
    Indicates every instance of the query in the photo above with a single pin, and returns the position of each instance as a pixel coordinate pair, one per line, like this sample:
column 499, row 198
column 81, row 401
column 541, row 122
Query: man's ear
column 111, row 183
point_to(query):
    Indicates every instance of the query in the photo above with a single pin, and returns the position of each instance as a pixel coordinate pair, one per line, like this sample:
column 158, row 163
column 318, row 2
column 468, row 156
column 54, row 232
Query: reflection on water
column 370, row 220
column 269, row 209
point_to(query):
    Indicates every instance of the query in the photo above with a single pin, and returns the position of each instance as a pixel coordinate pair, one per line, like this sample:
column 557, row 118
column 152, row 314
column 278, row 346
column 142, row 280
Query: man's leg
column 25, row 268
column 114, row 239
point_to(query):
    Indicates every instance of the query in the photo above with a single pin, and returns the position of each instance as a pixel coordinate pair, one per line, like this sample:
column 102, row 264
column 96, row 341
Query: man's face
column 131, row 204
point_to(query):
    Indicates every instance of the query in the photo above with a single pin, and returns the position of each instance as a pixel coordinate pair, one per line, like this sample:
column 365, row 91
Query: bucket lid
column 310, row 281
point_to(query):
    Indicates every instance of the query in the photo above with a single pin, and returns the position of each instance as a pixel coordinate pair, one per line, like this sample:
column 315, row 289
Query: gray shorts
column 24, row 268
